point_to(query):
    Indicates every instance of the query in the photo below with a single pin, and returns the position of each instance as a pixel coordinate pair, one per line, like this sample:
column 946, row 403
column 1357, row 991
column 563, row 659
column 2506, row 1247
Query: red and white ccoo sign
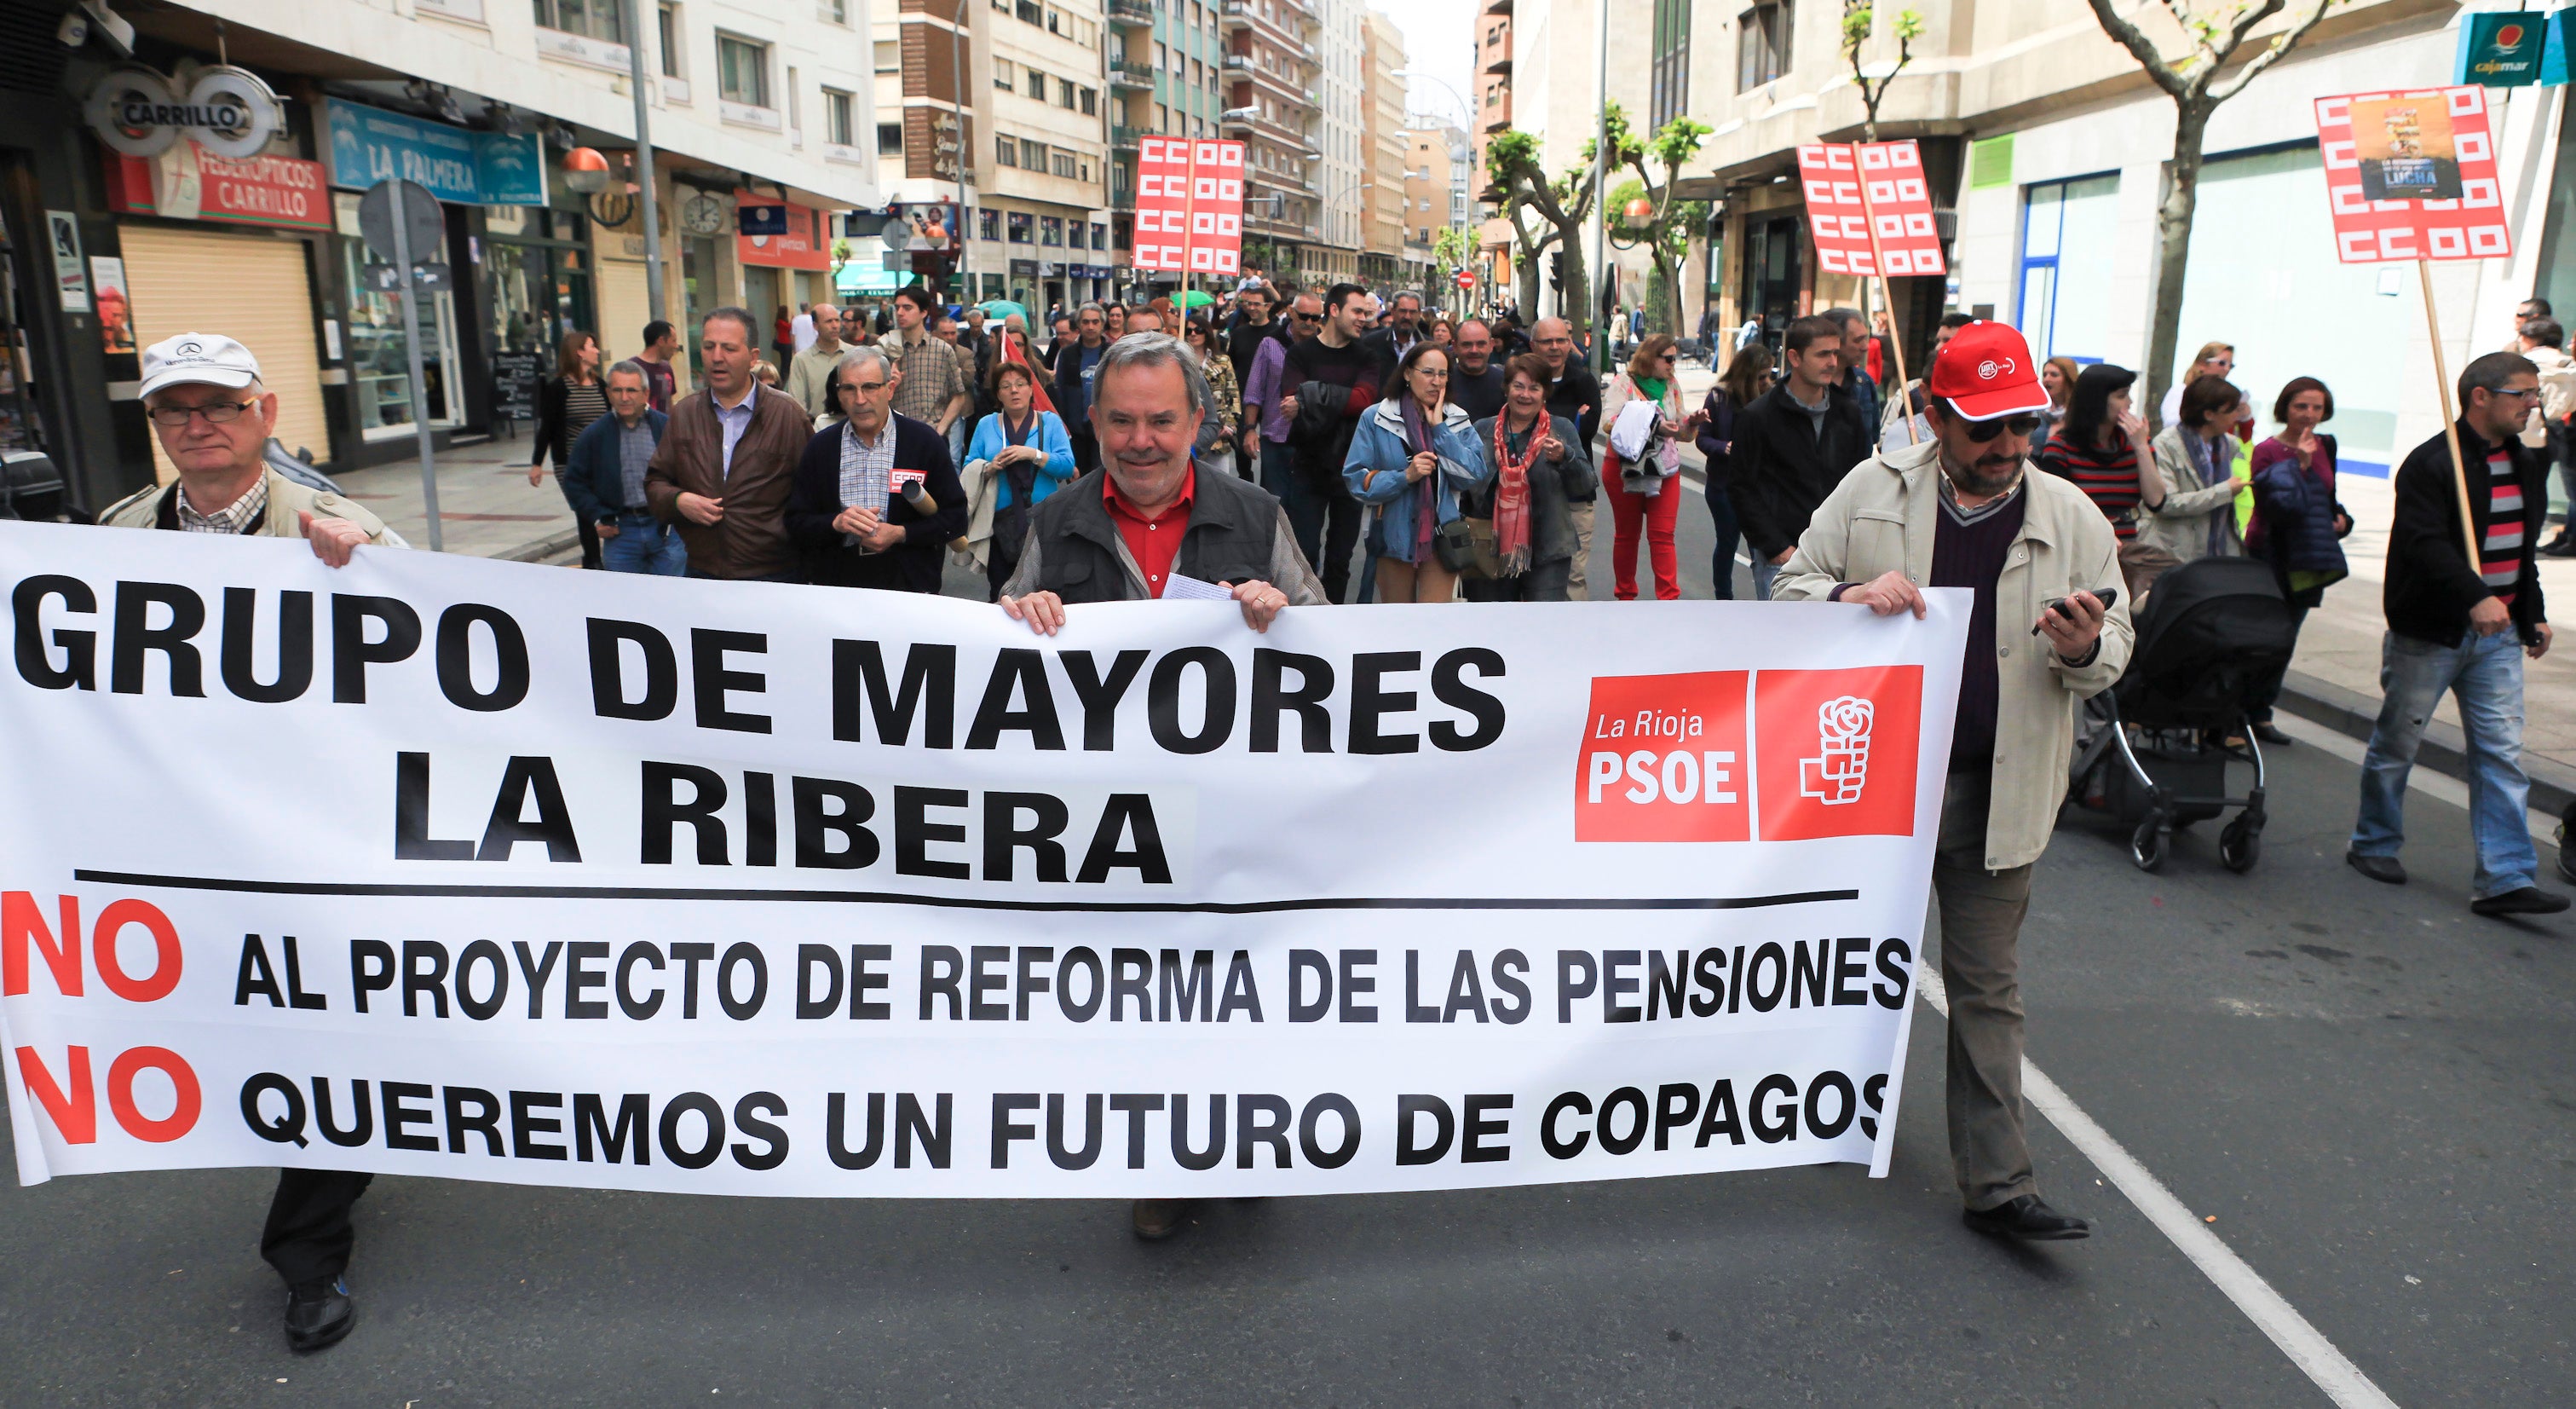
column 1849, row 188
column 2412, row 175
column 1189, row 205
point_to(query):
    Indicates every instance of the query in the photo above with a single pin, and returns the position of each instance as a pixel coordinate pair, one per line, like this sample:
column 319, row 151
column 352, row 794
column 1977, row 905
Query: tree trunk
column 1575, row 304
column 2173, row 250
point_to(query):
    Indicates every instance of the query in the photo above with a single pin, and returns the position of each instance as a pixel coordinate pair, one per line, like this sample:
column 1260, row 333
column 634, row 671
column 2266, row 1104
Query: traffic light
column 1556, row 271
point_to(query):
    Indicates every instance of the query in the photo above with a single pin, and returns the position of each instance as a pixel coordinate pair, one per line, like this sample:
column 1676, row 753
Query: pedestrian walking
column 2099, row 449
column 728, row 460
column 1893, row 431
column 782, row 341
column 2298, row 526
column 801, row 330
column 1574, row 392
column 1538, row 465
column 809, row 378
column 604, row 479
column 567, row 403
column 1077, row 359
column 1858, row 381
column 661, row 380
column 2215, row 359
column 2206, row 473
column 1747, row 376
column 1250, row 326
column 1792, row 446
column 1267, row 418
column 1971, row 517
column 1411, row 457
column 1475, row 377
column 2551, row 431
column 1640, row 469
column 1218, row 448
column 2464, row 627
column 931, row 381
column 875, row 497
column 1019, row 455
column 203, row 396
column 1327, row 384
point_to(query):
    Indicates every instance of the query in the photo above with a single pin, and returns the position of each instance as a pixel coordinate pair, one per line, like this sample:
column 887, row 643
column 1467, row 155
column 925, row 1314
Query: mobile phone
column 2106, row 596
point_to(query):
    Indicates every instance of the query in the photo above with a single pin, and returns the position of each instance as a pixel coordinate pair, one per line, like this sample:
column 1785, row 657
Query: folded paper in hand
column 1178, row 588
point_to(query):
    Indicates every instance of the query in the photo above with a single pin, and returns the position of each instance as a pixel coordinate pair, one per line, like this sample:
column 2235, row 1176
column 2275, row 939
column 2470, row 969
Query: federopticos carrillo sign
column 142, row 112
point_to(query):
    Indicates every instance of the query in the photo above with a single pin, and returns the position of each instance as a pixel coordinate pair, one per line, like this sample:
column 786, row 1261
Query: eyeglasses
column 1983, row 432
column 2526, row 393
column 863, row 388
column 221, row 413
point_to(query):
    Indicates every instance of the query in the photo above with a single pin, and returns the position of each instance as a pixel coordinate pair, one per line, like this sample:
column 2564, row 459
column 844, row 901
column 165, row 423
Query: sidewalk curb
column 2351, row 713
column 542, row 549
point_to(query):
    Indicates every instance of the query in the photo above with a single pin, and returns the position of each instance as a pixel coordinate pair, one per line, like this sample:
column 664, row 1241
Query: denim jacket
column 1375, row 472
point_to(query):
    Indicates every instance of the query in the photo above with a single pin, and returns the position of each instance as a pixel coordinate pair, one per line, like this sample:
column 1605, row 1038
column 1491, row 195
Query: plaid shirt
column 635, row 447
column 232, row 518
column 867, row 471
column 931, row 376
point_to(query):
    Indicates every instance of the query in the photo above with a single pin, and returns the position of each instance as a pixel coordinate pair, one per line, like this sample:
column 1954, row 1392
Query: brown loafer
column 1157, row 1219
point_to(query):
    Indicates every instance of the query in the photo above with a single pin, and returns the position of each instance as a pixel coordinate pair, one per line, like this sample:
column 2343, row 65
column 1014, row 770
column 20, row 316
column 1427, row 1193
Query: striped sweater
column 2108, row 477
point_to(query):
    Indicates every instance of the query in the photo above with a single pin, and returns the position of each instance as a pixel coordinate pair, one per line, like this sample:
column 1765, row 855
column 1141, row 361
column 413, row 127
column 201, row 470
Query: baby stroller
column 2209, row 634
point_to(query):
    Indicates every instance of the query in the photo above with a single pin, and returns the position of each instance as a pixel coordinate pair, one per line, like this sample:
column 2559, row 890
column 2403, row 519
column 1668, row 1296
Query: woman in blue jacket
column 1411, row 456
column 1027, row 453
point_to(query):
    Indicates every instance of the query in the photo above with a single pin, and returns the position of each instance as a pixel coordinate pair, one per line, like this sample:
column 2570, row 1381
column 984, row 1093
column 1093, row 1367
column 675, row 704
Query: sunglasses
column 1983, row 432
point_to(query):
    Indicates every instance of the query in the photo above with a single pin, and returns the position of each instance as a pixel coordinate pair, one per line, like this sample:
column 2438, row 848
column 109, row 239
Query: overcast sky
column 1439, row 38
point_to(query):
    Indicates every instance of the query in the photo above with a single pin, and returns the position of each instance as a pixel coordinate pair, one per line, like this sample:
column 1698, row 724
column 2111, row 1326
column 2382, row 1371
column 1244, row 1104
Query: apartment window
column 1064, row 165
column 1064, row 94
column 1003, row 73
column 837, row 108
column 1055, row 22
column 1073, row 234
column 1100, row 237
column 1669, row 85
column 1037, row 84
column 795, row 102
column 1090, row 101
column 988, row 225
column 1033, row 155
column 670, row 37
column 742, row 71
column 889, row 139
column 1162, row 55
column 1051, row 230
column 1021, row 224
column 889, row 56
column 833, row 11
column 595, row 19
column 1031, row 11
column 1762, row 44
column 1006, row 150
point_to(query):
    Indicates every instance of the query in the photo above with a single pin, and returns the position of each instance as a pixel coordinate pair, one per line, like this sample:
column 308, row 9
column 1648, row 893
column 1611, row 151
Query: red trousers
column 1655, row 514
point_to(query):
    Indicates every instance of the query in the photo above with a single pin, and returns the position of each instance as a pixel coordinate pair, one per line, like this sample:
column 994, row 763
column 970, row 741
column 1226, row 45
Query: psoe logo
column 1663, row 759
column 1839, row 772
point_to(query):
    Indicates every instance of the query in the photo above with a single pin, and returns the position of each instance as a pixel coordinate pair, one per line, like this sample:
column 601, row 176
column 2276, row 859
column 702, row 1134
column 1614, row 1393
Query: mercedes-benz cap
column 1985, row 371
column 210, row 358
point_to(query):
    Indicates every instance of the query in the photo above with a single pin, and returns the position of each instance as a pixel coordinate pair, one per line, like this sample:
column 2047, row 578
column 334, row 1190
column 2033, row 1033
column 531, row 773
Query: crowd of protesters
column 1257, row 450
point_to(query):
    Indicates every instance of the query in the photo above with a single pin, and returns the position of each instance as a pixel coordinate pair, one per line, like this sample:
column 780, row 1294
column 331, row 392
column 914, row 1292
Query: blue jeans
column 1763, row 571
column 1721, row 563
column 644, row 544
column 2485, row 674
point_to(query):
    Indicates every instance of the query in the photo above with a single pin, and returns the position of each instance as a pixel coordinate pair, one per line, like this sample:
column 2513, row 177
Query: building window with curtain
column 1669, row 95
column 1762, row 44
column 742, row 71
column 594, row 19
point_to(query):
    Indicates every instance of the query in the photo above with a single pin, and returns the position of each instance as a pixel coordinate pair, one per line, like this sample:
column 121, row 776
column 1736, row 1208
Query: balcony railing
column 1130, row 73
column 1130, row 12
column 1124, row 138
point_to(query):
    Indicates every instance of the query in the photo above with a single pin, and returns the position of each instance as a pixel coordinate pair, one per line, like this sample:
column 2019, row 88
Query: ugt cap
column 211, row 358
column 1985, row 371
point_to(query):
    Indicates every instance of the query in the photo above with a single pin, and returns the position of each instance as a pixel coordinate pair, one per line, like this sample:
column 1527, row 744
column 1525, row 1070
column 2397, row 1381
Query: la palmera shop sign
column 142, row 112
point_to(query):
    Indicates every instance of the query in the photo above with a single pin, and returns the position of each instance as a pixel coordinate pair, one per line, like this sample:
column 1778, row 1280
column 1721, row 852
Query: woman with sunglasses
column 1411, row 458
column 1643, row 499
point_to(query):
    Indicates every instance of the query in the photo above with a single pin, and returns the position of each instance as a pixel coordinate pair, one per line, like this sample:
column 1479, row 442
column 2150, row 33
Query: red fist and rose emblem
column 1745, row 755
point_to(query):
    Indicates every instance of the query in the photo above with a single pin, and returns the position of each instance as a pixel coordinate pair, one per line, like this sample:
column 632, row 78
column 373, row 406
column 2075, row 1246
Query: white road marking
column 2316, row 1357
column 2439, row 786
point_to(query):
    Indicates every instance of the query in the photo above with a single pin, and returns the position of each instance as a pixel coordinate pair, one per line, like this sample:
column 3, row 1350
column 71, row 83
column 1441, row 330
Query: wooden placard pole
column 1878, row 262
column 2450, row 420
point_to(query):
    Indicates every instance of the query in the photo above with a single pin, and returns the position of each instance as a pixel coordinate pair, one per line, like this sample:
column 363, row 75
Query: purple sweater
column 1261, row 390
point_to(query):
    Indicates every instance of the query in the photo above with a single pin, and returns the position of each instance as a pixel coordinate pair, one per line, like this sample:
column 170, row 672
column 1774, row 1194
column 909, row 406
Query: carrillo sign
column 142, row 112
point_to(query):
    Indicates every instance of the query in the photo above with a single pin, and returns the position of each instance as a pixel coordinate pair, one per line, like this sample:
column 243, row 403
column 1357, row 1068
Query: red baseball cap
column 1985, row 371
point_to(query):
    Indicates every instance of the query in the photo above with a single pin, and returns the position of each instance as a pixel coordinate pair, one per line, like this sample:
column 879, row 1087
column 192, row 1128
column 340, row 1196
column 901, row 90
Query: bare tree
column 1860, row 21
column 1512, row 160
column 2192, row 80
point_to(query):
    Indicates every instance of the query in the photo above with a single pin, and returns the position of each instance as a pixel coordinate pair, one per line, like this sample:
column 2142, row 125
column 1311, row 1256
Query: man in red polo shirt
column 1126, row 530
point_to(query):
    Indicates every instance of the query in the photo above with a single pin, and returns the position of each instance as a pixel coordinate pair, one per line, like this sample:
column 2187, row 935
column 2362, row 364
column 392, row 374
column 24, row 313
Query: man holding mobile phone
column 1959, row 510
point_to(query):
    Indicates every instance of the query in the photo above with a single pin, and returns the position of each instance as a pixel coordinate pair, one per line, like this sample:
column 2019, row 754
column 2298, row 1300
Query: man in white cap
column 214, row 418
column 203, row 393
column 1960, row 510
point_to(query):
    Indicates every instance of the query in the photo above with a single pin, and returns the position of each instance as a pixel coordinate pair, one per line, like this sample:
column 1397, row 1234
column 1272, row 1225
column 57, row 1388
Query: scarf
column 2203, row 464
column 1425, row 505
column 1511, row 493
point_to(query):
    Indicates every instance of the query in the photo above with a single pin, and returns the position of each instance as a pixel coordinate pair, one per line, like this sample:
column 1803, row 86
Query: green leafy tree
column 1667, row 230
column 1860, row 21
column 2191, row 78
column 1562, row 204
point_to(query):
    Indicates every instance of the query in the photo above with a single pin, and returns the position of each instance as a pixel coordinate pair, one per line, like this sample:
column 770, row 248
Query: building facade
column 759, row 108
column 1168, row 72
column 1272, row 67
column 1040, row 235
column 1342, row 140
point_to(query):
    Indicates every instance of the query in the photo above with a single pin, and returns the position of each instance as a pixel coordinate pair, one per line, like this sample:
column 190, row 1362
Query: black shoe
column 2530, row 900
column 319, row 1315
column 2271, row 734
column 2378, row 868
column 1157, row 1219
column 2028, row 1219
column 2563, row 546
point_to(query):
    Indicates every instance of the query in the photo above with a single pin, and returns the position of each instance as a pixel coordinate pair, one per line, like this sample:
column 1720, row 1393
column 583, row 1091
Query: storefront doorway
column 537, row 268
column 1773, row 273
column 378, row 356
column 22, row 426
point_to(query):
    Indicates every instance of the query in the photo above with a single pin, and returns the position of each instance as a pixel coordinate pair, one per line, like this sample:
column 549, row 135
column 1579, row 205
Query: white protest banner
column 439, row 866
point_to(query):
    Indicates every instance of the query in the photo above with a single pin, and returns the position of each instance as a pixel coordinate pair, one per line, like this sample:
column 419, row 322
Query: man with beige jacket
column 1960, row 510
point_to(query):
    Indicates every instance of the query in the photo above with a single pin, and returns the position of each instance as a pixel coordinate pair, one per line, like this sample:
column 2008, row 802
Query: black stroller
column 2210, row 633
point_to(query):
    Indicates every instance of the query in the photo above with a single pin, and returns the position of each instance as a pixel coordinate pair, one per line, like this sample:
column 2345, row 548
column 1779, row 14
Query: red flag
column 1037, row 378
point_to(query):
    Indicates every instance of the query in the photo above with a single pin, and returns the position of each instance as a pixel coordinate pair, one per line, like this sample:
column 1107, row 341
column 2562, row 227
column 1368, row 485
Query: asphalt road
column 2366, row 1088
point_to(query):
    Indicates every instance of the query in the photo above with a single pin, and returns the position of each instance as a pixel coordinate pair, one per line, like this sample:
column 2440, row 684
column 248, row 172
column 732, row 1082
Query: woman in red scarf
column 1539, row 464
